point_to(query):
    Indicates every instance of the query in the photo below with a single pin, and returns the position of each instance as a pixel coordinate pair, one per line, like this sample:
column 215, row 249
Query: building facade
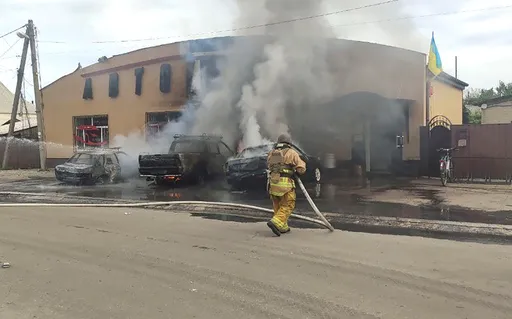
column 375, row 117
column 446, row 97
column 497, row 110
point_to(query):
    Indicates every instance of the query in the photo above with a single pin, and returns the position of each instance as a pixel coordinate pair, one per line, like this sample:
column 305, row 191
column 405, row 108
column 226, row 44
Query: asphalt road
column 119, row 263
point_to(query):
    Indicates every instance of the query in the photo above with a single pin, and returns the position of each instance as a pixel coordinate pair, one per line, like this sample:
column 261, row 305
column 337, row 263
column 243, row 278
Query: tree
column 479, row 96
column 504, row 89
column 475, row 117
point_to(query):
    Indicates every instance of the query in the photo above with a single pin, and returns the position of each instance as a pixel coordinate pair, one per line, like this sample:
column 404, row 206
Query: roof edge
column 496, row 100
column 448, row 79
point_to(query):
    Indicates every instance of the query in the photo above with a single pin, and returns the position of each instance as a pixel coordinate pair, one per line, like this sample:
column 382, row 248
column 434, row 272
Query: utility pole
column 456, row 68
column 37, row 95
column 16, row 102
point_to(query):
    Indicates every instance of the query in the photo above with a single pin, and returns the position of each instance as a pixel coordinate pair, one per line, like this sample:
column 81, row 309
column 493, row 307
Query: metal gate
column 484, row 151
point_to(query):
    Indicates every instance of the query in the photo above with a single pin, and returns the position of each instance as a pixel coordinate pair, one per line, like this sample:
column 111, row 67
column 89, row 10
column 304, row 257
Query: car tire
column 201, row 178
column 318, row 175
column 103, row 180
column 158, row 181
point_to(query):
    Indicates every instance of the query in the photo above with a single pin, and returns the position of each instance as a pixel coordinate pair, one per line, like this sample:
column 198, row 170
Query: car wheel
column 318, row 175
column 201, row 178
column 103, row 180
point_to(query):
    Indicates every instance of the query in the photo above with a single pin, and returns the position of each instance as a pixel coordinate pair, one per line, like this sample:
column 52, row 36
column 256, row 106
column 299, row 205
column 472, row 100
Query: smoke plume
column 278, row 73
column 266, row 78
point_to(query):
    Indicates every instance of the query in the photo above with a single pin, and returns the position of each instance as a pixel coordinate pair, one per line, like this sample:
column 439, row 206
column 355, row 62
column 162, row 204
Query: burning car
column 92, row 167
column 249, row 167
column 190, row 158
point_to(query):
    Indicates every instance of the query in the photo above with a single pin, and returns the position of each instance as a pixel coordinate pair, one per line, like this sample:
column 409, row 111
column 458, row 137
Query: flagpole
column 456, row 68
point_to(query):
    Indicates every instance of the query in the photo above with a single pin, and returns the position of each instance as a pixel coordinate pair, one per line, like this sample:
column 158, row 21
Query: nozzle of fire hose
column 312, row 204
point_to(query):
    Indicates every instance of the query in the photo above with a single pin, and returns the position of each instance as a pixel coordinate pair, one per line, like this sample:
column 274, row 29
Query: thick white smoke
column 276, row 74
column 265, row 79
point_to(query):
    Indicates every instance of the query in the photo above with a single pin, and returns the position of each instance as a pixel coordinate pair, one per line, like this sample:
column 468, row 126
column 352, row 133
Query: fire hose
column 156, row 204
column 313, row 205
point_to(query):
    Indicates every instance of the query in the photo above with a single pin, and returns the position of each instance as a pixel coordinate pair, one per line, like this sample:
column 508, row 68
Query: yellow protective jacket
column 282, row 162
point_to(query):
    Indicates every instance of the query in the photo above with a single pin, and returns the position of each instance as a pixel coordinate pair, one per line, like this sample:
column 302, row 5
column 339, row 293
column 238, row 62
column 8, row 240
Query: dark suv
column 190, row 158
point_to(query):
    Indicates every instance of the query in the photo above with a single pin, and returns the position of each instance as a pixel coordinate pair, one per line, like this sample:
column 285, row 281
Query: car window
column 187, row 147
column 111, row 159
column 81, row 159
column 224, row 150
column 213, row 148
column 255, row 151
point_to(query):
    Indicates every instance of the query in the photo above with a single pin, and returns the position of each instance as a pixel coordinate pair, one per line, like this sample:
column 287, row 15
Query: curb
column 376, row 224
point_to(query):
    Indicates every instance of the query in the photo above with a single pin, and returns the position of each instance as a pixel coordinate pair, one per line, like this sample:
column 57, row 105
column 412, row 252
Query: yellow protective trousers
column 283, row 208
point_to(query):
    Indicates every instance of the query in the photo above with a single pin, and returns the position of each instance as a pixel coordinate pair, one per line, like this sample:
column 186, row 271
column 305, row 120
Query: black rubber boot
column 274, row 229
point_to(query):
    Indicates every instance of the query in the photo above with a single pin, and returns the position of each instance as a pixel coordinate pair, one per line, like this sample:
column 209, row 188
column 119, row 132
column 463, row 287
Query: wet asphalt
column 332, row 197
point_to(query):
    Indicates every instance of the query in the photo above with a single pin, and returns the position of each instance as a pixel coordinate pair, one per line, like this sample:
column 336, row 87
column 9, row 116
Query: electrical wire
column 9, row 49
column 305, row 18
column 247, row 27
column 425, row 16
column 10, row 32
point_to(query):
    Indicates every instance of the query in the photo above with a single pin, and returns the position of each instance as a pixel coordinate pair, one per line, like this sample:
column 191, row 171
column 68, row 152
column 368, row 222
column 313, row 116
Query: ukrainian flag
column 434, row 60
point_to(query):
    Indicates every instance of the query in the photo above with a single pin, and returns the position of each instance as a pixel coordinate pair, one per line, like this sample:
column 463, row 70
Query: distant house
column 497, row 110
column 26, row 121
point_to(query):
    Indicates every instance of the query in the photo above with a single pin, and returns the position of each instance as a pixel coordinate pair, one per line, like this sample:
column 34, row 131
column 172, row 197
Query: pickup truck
column 190, row 158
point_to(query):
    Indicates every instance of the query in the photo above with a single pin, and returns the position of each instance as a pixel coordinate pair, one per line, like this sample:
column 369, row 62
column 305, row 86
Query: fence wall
column 23, row 153
column 484, row 151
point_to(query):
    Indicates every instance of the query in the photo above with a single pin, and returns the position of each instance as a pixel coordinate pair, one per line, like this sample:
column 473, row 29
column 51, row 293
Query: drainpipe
column 367, row 157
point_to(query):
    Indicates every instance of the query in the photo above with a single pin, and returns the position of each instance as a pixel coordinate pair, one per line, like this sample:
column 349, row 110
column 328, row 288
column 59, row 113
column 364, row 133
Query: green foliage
column 471, row 117
column 478, row 97
column 475, row 117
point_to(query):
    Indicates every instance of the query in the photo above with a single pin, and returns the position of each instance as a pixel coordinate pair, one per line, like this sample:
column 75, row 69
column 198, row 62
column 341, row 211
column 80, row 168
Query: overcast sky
column 481, row 38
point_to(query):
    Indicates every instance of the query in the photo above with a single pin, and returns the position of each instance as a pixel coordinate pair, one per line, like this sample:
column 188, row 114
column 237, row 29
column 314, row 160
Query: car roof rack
column 202, row 136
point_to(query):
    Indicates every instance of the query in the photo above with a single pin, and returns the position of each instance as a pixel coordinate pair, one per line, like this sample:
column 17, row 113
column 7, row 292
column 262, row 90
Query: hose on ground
column 155, row 204
column 313, row 205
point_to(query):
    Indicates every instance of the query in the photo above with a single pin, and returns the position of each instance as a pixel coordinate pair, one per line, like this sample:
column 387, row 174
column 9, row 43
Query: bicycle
column 446, row 165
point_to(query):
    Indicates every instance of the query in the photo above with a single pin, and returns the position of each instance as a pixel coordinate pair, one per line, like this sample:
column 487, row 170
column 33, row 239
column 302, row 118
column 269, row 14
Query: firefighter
column 283, row 162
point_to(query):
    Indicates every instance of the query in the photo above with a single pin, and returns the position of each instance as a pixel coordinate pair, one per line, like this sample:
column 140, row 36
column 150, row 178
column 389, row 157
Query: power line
column 4, row 35
column 27, row 81
column 247, row 27
column 9, row 49
column 299, row 19
column 426, row 16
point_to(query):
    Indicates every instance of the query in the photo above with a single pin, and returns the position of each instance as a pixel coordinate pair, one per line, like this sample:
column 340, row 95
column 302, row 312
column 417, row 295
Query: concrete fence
column 23, row 153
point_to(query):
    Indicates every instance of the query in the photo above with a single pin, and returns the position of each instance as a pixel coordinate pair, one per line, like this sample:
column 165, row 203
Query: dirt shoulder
column 130, row 263
column 21, row 174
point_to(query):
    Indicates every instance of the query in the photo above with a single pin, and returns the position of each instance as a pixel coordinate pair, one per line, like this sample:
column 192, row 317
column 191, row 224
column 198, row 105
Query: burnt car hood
column 74, row 168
